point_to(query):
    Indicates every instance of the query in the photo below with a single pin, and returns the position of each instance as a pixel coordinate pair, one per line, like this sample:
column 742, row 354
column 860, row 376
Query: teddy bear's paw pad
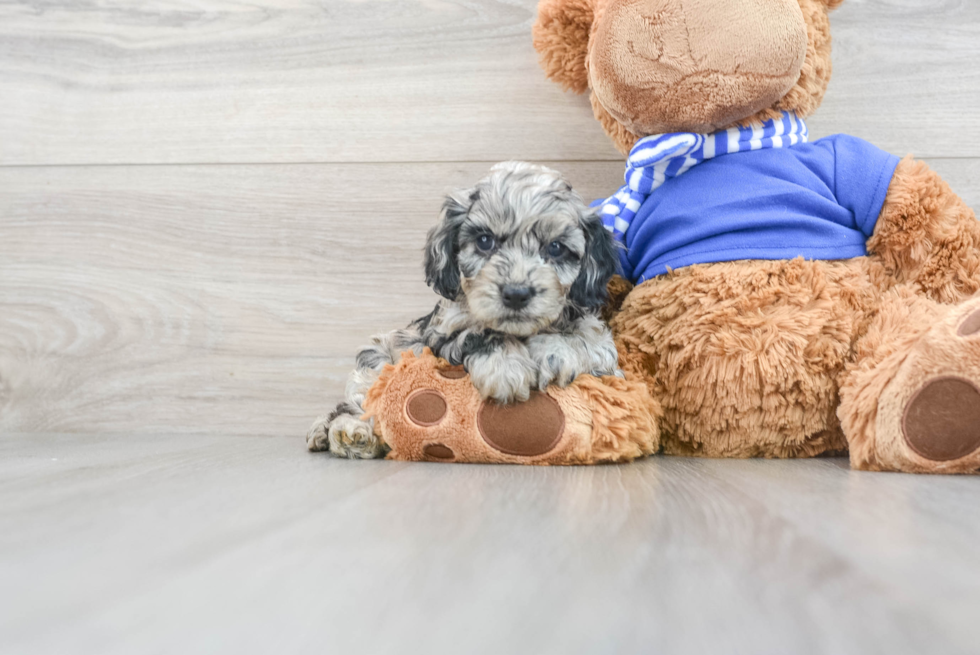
column 527, row 429
column 438, row 452
column 425, row 407
column 942, row 420
column 970, row 325
column 453, row 372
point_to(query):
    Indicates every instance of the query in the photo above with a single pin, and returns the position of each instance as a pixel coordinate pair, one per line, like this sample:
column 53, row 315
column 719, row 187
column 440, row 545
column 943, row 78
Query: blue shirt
column 817, row 200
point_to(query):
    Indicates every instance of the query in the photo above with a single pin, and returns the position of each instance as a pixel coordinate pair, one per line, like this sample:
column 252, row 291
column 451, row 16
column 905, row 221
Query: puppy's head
column 518, row 248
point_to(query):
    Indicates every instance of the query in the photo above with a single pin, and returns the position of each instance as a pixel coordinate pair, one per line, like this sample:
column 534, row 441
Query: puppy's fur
column 522, row 265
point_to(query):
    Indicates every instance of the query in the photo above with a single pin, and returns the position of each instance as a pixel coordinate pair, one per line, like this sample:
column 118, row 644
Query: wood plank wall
column 205, row 206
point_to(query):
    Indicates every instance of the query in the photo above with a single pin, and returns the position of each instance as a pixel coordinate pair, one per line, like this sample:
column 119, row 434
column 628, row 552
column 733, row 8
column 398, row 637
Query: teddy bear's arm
column 561, row 37
column 927, row 235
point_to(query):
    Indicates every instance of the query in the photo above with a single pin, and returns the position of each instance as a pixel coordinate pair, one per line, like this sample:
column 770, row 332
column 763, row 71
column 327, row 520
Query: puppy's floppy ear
column 599, row 263
column 442, row 247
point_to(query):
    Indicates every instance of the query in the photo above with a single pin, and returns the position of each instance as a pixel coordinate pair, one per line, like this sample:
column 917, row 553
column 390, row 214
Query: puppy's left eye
column 556, row 249
column 485, row 242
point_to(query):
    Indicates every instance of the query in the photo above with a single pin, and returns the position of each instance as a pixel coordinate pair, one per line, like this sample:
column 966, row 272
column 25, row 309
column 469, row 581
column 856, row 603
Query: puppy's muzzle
column 516, row 297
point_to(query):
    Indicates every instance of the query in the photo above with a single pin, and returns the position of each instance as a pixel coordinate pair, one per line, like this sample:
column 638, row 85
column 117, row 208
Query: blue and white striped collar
column 655, row 159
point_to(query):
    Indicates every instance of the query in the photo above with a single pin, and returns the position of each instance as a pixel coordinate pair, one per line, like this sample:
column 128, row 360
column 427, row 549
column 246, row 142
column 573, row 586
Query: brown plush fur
column 604, row 420
column 745, row 356
column 927, row 236
column 618, row 289
column 561, row 35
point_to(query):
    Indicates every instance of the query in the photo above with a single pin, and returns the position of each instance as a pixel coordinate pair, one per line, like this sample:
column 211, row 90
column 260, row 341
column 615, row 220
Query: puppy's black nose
column 516, row 297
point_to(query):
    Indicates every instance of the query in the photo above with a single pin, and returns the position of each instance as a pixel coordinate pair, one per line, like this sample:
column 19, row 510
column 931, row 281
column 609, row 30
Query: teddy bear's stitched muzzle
column 698, row 65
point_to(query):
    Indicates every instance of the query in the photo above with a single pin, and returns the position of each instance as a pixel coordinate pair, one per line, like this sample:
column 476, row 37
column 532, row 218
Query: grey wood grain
column 403, row 80
column 221, row 299
column 206, row 543
column 200, row 298
column 152, row 317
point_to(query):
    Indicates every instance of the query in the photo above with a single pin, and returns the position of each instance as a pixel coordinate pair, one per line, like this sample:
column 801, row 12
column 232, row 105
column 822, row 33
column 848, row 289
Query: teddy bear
column 780, row 297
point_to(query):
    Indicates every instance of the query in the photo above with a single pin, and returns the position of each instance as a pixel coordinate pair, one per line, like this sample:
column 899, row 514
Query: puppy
column 522, row 265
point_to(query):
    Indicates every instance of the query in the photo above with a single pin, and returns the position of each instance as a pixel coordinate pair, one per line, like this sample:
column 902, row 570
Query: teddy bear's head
column 656, row 66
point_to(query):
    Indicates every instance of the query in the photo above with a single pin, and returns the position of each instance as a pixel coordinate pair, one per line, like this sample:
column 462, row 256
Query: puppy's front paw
column 345, row 436
column 505, row 375
column 556, row 360
column 316, row 436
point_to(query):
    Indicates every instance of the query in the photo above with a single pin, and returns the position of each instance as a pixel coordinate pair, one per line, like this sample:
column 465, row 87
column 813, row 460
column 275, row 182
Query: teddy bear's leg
column 744, row 356
column 910, row 401
column 927, row 236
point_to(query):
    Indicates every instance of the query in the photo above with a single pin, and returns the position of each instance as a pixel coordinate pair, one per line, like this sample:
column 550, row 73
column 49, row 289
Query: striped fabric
column 655, row 159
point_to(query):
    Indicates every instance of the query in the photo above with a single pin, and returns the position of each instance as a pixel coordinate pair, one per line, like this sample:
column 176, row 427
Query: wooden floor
column 207, row 205
column 197, row 543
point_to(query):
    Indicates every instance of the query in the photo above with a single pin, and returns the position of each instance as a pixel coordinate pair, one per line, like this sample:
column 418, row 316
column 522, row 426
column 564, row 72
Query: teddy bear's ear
column 561, row 37
column 832, row 4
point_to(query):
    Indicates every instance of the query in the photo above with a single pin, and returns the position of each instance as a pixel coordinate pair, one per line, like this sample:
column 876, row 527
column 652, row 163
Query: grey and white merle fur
column 522, row 265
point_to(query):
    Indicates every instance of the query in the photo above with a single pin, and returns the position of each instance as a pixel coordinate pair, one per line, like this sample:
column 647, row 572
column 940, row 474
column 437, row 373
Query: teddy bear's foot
column 430, row 411
column 941, row 421
column 929, row 414
column 345, row 435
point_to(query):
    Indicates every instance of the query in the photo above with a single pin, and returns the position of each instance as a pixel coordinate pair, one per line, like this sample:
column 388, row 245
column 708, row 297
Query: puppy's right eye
column 556, row 249
column 485, row 243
